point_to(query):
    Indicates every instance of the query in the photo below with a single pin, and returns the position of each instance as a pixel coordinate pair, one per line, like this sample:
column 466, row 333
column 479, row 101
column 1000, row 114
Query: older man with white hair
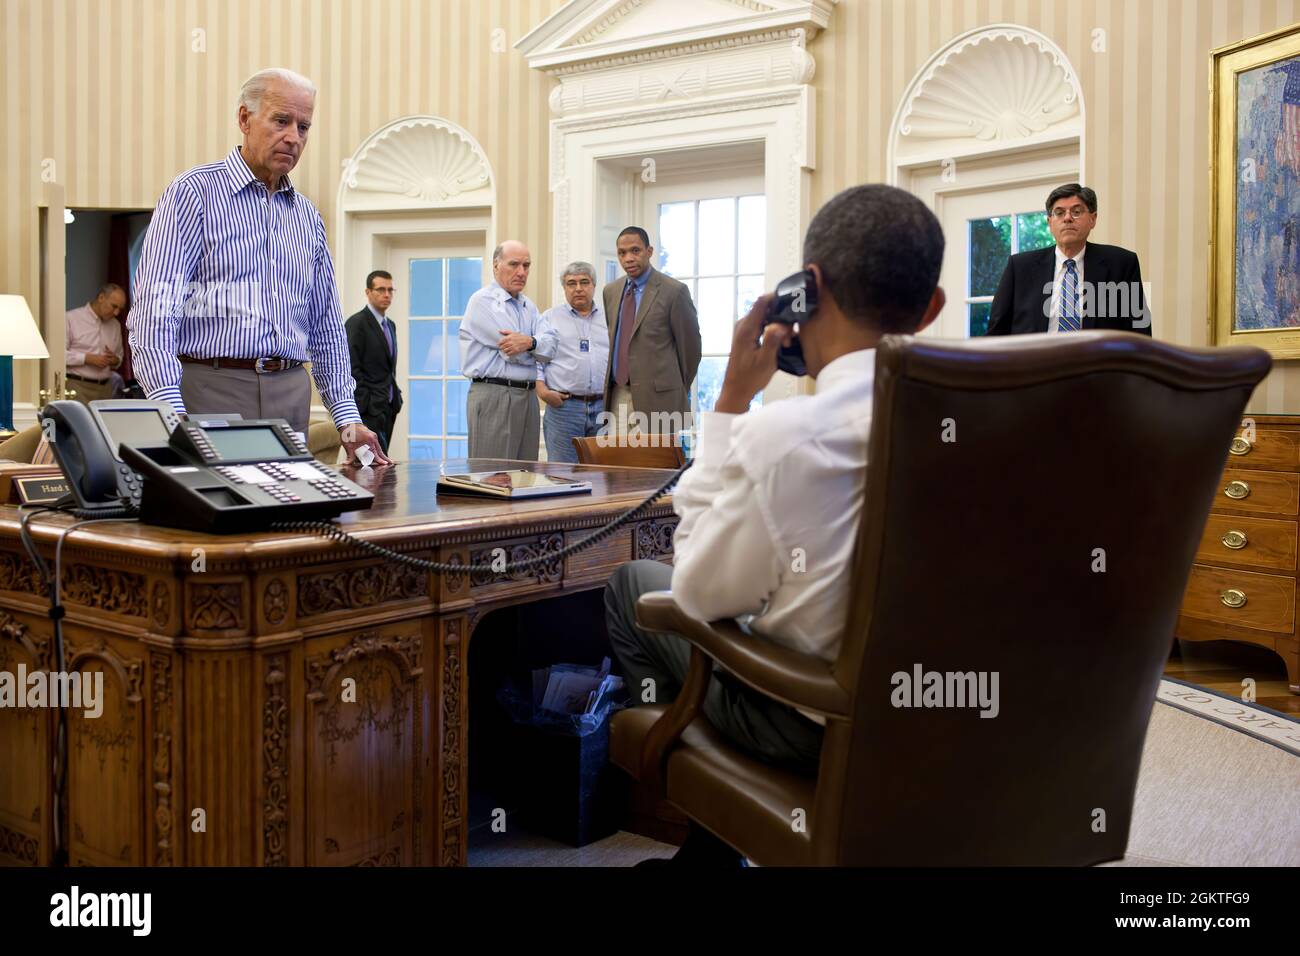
column 502, row 340
column 572, row 384
column 235, row 288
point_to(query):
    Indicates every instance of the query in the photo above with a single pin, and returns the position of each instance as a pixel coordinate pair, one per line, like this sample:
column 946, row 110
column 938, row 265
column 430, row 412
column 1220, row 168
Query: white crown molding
column 571, row 39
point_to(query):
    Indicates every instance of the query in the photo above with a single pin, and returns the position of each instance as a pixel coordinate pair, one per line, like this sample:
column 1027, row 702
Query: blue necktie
column 1070, row 321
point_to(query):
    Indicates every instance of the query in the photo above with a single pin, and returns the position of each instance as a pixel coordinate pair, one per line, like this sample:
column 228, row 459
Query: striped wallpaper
column 124, row 94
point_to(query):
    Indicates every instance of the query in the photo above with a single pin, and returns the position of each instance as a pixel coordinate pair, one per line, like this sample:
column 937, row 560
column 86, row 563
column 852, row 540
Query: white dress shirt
column 1054, row 325
column 769, row 511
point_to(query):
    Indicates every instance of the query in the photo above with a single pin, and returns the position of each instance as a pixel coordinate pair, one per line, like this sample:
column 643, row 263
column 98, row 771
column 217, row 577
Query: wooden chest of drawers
column 1243, row 585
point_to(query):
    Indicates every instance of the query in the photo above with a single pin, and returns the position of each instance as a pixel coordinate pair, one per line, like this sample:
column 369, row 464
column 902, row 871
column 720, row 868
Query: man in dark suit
column 654, row 341
column 372, row 340
column 1075, row 284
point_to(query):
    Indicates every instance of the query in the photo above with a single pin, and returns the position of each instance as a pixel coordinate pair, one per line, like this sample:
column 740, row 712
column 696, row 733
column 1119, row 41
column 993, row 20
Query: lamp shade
column 19, row 336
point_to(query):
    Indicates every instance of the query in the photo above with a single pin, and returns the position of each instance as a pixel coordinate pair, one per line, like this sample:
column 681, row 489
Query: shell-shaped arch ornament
column 419, row 158
column 1000, row 84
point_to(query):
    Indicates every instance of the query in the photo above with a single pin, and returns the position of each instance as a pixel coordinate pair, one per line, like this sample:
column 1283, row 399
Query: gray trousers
column 765, row 728
column 218, row 391
column 504, row 422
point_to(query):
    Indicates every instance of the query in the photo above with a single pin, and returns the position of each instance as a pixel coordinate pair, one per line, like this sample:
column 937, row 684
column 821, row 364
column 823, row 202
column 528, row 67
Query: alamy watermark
column 947, row 689
column 53, row 689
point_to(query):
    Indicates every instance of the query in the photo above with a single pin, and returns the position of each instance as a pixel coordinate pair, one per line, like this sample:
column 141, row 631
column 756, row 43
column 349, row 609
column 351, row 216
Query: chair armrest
column 662, row 736
column 800, row 680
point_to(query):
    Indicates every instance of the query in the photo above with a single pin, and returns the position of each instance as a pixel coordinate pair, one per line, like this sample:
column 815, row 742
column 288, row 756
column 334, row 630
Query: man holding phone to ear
column 769, row 511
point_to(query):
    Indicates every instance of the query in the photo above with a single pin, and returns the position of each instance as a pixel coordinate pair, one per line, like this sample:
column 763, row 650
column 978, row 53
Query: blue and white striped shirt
column 225, row 273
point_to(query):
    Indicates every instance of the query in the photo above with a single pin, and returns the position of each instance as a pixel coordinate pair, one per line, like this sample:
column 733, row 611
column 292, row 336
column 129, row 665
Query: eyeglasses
column 577, row 283
column 1074, row 212
column 381, row 290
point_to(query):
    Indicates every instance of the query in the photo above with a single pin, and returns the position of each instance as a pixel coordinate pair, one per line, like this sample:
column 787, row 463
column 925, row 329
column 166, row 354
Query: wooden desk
column 225, row 661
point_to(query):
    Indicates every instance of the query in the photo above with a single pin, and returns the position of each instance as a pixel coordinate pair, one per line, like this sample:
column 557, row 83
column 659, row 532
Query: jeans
column 573, row 419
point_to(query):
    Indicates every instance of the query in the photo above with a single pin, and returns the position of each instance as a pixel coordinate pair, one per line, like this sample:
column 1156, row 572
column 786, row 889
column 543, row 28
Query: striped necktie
column 1070, row 321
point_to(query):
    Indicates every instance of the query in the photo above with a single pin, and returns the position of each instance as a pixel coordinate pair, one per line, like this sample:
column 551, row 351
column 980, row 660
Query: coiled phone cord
column 329, row 530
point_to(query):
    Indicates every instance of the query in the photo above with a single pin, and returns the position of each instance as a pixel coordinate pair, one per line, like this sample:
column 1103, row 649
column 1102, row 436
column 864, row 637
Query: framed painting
column 1255, row 193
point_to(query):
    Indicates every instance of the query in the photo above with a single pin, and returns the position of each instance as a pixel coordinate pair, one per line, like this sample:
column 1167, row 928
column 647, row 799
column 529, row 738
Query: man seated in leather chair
column 769, row 510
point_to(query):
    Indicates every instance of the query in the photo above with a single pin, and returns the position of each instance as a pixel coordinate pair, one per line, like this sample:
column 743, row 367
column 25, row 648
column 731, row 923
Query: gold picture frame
column 1254, row 293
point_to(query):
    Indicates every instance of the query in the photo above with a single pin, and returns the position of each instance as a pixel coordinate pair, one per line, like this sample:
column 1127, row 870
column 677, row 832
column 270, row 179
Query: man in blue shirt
column 573, row 382
column 235, row 289
column 502, row 340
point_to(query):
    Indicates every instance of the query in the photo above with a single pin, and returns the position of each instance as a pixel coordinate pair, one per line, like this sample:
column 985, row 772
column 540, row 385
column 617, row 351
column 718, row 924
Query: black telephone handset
column 98, row 487
column 795, row 301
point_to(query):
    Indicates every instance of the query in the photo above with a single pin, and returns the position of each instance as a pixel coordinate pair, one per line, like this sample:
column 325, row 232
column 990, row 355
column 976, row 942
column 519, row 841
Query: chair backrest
column 649, row 450
column 22, row 446
column 1032, row 510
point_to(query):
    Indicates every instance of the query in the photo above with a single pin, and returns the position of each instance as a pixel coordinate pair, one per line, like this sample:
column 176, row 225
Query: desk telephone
column 219, row 474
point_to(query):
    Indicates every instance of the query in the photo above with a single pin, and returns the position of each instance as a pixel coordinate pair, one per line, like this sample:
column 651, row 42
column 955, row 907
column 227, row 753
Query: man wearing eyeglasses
column 372, row 344
column 1075, row 284
column 573, row 383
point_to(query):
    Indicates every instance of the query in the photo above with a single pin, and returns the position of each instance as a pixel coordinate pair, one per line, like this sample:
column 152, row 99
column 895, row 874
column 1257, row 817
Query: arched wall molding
column 989, row 90
column 413, row 165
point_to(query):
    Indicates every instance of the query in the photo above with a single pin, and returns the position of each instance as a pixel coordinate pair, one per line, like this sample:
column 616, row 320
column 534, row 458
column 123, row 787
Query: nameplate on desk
column 42, row 490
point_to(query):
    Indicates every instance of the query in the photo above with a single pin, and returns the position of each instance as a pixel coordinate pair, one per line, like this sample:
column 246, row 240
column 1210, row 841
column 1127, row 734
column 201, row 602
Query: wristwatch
column 533, row 347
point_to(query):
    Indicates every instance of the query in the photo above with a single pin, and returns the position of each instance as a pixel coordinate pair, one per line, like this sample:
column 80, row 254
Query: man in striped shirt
column 236, row 285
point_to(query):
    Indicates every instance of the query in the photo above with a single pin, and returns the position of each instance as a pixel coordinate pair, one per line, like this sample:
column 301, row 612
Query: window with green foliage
column 991, row 242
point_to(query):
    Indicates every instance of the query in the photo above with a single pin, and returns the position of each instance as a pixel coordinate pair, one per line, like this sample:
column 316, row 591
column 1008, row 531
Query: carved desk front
column 280, row 699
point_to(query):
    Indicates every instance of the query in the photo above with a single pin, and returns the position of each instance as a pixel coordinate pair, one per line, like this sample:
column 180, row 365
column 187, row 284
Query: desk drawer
column 1265, row 602
column 1257, row 542
column 1264, row 492
column 1269, row 448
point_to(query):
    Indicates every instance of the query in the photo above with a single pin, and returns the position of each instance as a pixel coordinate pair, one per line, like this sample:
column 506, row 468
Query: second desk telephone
column 223, row 474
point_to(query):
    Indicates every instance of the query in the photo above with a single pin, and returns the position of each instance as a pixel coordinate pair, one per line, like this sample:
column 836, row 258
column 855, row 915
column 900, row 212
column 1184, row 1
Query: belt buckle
column 258, row 367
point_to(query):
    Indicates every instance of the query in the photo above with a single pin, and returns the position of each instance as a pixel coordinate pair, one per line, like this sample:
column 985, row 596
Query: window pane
column 1032, row 231
column 426, row 347
column 457, row 404
column 426, row 406
column 457, row 448
column 717, row 237
column 977, row 322
column 753, row 234
column 464, row 278
column 676, row 252
column 716, row 307
column 748, row 288
column 424, row 449
column 990, row 245
column 708, row 382
column 453, row 347
column 426, row 286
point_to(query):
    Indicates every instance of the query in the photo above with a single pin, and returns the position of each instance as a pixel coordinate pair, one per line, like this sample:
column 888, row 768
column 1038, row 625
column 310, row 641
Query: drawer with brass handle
column 1261, row 492
column 1265, row 448
column 1262, row 543
column 1262, row 601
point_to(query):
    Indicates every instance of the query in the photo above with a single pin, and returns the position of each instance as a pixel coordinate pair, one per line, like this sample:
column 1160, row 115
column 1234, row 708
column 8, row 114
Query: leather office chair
column 978, row 553
column 649, row 450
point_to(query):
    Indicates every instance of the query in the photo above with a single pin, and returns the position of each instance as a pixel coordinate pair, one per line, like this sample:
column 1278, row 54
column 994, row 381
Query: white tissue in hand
column 365, row 456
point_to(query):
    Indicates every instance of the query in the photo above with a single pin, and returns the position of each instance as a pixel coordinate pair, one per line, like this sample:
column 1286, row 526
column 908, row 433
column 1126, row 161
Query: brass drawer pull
column 1237, row 489
column 1239, row 446
column 1233, row 598
column 1236, row 540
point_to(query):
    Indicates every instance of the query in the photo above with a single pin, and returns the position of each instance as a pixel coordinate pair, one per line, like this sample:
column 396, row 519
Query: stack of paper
column 573, row 689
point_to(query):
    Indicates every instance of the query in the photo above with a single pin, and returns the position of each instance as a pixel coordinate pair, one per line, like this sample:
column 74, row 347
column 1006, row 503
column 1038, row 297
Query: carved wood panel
column 25, row 748
column 365, row 749
column 510, row 552
column 107, row 755
column 359, row 587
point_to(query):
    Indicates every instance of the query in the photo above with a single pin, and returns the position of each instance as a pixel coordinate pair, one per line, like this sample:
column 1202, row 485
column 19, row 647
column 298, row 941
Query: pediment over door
column 616, row 54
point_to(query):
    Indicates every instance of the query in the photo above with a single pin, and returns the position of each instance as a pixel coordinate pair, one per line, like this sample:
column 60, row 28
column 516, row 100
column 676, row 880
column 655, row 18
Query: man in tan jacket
column 654, row 339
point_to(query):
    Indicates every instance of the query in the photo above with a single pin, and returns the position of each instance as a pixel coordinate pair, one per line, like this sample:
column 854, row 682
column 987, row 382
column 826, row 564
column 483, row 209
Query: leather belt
column 85, row 378
column 508, row 383
column 258, row 365
column 586, row 398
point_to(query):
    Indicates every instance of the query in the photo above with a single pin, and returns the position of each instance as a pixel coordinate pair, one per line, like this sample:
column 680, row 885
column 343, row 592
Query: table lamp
column 19, row 338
